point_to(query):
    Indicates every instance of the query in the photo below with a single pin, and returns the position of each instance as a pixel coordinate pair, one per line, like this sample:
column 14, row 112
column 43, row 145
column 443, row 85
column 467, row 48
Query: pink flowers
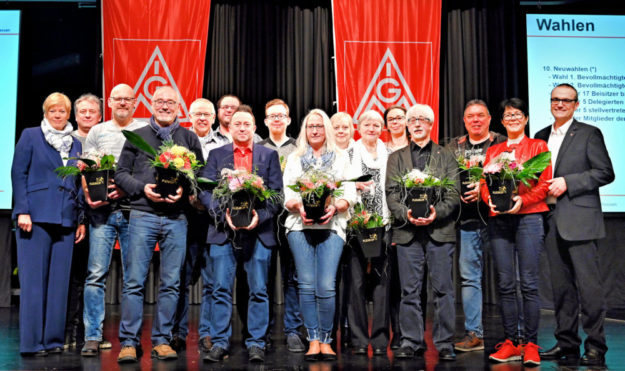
column 242, row 179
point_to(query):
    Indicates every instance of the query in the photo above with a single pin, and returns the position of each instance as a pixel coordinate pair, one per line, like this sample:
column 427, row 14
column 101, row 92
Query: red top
column 533, row 197
column 243, row 156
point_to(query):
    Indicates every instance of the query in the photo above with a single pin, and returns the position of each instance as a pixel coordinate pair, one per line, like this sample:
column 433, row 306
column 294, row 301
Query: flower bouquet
column 422, row 189
column 97, row 168
column 503, row 174
column 170, row 161
column 369, row 230
column 470, row 171
column 240, row 189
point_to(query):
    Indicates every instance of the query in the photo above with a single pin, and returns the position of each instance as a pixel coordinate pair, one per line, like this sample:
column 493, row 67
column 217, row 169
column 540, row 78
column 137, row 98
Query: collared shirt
column 243, row 156
column 225, row 139
column 554, row 143
column 209, row 142
column 420, row 156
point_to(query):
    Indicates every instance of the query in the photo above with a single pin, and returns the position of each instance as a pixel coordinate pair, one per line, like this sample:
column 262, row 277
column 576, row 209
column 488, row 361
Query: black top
column 420, row 156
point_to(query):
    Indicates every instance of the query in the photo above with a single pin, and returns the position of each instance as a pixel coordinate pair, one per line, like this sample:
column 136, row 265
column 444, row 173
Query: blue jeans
column 472, row 240
column 224, row 269
column 511, row 237
column 145, row 230
column 412, row 259
column 317, row 254
column 101, row 244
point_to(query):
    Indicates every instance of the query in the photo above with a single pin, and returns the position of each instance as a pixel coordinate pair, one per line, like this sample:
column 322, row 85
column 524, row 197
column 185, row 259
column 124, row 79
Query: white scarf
column 362, row 156
column 61, row 140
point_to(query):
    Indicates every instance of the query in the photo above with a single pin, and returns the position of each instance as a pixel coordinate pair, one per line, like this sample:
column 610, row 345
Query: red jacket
column 533, row 197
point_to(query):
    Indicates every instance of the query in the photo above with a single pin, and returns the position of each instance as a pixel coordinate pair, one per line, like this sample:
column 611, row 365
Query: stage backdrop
column 151, row 43
column 387, row 53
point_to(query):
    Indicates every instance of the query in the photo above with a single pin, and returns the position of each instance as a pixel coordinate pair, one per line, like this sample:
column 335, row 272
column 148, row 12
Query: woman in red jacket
column 518, row 234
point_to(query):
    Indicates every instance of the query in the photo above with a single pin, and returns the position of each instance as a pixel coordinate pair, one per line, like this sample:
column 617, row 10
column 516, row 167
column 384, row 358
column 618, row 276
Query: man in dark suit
column 422, row 241
column 253, row 243
column 581, row 165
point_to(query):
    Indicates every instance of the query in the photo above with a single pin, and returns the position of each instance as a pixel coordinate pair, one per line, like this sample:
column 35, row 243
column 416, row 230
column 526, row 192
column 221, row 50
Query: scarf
column 362, row 156
column 309, row 161
column 164, row 133
column 61, row 140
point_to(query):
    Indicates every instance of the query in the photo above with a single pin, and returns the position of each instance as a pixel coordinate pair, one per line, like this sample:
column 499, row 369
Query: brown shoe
column 206, row 344
column 470, row 343
column 164, row 351
column 127, row 354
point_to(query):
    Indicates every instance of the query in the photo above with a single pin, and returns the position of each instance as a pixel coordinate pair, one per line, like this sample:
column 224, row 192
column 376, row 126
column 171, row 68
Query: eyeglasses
column 314, row 127
column 199, row 115
column 229, row 107
column 512, row 116
column 170, row 103
column 555, row 101
column 423, row 120
column 396, row 118
column 277, row 117
column 123, row 99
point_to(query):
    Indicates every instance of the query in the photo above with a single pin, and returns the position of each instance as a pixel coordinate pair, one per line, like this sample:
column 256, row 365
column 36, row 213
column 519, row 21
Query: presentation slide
column 9, row 45
column 588, row 52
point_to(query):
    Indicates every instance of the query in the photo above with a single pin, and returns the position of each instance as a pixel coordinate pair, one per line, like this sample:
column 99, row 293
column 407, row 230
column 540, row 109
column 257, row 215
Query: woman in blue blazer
column 46, row 210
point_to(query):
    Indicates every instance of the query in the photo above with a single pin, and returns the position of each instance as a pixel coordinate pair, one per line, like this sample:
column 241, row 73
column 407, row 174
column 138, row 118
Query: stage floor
column 281, row 359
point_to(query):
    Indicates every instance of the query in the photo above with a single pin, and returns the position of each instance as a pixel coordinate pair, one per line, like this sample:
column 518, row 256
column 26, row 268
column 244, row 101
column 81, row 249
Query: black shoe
column 379, row 351
column 592, row 357
column 396, row 342
column 205, row 344
column 55, row 350
column 556, row 353
column 294, row 344
column 404, row 352
column 177, row 343
column 216, row 354
column 255, row 354
column 328, row 357
column 447, row 355
column 360, row 350
column 313, row 357
column 40, row 353
column 90, row 349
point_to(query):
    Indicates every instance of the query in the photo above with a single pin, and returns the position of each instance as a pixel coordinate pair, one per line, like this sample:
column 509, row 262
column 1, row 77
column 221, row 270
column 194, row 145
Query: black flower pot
column 97, row 184
column 464, row 182
column 241, row 205
column 371, row 241
column 167, row 181
column 315, row 206
column 501, row 192
column 419, row 201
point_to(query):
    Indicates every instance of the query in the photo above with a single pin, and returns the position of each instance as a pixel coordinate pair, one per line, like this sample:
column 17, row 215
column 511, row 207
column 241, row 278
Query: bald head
column 122, row 104
column 165, row 105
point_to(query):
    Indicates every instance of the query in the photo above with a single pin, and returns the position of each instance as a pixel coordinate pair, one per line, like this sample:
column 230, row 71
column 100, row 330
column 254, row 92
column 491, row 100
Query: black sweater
column 134, row 171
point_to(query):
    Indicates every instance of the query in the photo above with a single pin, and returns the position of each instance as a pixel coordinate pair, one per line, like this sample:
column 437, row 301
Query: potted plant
column 98, row 170
column 504, row 173
column 369, row 229
column 421, row 190
column 470, row 171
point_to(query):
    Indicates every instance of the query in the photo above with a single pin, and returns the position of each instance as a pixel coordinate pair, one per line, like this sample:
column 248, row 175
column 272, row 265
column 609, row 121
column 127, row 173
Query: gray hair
column 88, row 97
column 420, row 110
column 370, row 115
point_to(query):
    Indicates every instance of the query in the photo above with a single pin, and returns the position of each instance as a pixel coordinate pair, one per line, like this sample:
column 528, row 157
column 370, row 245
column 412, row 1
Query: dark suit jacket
column 441, row 164
column 37, row 189
column 584, row 163
column 266, row 164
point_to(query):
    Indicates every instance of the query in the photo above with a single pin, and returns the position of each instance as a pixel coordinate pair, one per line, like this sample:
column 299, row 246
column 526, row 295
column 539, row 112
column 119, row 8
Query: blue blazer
column 37, row 189
column 266, row 164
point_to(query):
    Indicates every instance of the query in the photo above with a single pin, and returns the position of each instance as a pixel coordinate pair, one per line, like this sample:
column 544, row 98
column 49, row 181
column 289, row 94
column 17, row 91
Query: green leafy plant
column 363, row 219
column 89, row 161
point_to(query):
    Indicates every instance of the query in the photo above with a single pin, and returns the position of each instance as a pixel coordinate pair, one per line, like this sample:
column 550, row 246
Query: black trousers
column 378, row 278
column 576, row 280
column 74, row 325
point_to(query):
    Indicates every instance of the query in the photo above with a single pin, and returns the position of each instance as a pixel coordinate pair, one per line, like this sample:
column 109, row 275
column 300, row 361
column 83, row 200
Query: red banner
column 151, row 43
column 387, row 53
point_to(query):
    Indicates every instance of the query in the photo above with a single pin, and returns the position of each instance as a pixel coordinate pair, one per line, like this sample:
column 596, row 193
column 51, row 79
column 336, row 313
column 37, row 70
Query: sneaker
column 90, row 349
column 294, row 344
column 506, row 352
column 470, row 343
column 127, row 354
column 530, row 355
column 164, row 351
column 105, row 344
column 256, row 354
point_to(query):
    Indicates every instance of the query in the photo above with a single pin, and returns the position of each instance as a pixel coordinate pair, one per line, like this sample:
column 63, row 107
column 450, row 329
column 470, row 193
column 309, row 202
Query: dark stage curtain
column 272, row 49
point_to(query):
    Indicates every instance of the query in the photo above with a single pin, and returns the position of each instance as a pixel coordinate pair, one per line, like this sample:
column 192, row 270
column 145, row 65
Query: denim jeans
column 145, row 230
column 518, row 236
column 101, row 244
column 412, row 259
column 472, row 241
column 224, row 269
column 317, row 254
column 291, row 318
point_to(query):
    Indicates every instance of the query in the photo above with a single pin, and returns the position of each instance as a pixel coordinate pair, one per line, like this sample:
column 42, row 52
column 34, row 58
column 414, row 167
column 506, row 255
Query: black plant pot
column 372, row 241
column 419, row 201
column 97, row 183
column 464, row 182
column 241, row 205
column 167, row 181
column 315, row 206
column 501, row 192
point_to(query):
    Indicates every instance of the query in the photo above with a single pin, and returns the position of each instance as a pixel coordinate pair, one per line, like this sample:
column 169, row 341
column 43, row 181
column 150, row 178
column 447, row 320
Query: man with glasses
column 424, row 240
column 108, row 220
column 277, row 120
column 153, row 218
column 472, row 221
column 581, row 165
column 227, row 105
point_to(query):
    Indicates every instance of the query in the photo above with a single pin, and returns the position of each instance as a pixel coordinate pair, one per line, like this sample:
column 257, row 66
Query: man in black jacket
column 153, row 218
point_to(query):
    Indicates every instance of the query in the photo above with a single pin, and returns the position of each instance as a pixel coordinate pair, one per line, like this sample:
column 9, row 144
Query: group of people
column 323, row 269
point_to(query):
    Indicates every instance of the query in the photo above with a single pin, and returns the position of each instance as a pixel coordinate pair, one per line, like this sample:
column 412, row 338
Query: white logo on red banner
column 157, row 71
column 384, row 91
